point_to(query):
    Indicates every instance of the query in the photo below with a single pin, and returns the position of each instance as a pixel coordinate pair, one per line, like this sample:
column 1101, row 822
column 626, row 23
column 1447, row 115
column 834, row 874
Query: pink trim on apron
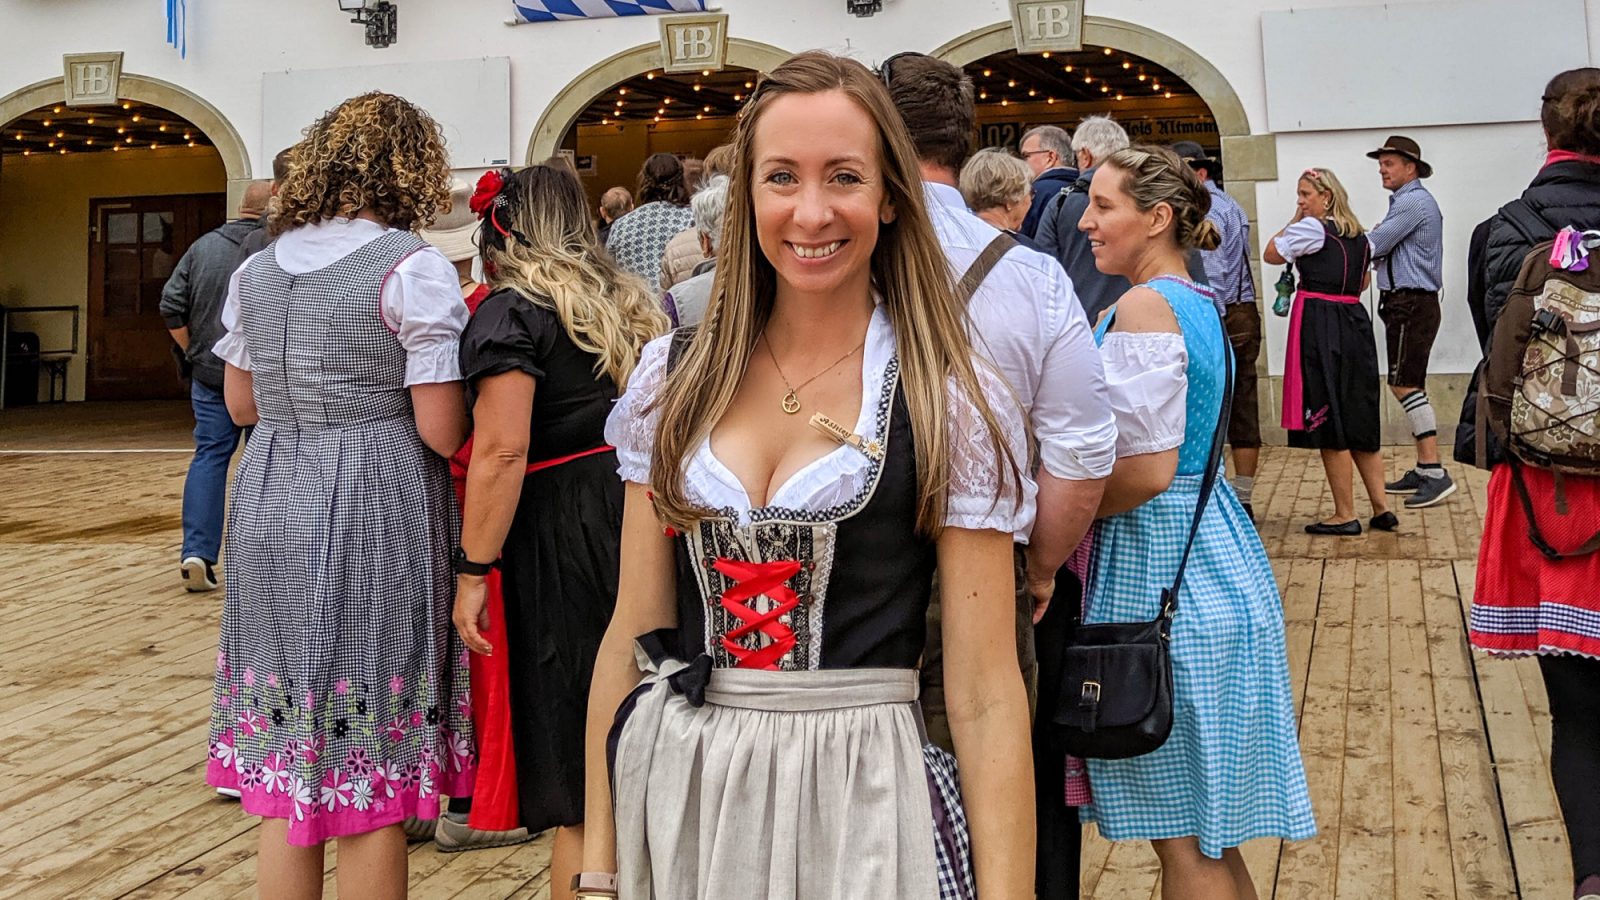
column 1294, row 407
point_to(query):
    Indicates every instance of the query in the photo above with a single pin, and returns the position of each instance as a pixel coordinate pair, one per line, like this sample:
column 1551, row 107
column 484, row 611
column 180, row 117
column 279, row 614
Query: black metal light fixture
column 863, row 8
column 381, row 18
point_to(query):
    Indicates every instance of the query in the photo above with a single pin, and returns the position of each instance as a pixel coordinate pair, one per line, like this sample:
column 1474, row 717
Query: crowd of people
column 746, row 475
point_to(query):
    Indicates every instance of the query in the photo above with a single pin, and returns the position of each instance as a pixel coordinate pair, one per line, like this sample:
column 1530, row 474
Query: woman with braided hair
column 546, row 356
column 1231, row 770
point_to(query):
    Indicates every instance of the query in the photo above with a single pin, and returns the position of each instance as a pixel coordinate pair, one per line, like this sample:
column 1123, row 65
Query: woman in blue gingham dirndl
column 1231, row 770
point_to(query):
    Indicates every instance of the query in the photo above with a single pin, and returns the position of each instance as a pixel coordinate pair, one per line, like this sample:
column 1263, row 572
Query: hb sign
column 694, row 43
column 1041, row 26
column 93, row 79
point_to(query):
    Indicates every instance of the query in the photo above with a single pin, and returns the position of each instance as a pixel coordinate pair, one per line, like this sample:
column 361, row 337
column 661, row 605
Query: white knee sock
column 1243, row 485
column 1420, row 413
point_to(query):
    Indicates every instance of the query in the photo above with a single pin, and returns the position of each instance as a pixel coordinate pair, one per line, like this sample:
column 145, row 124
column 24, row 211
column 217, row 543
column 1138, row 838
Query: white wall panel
column 1415, row 64
column 470, row 98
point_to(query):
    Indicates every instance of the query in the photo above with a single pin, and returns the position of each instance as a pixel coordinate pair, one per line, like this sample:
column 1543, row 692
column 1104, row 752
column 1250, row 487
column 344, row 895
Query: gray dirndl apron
column 732, row 784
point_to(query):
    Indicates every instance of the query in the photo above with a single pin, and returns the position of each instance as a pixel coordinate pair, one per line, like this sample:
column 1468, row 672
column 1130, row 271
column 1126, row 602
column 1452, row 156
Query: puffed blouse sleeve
column 422, row 304
column 507, row 334
column 984, row 492
column 1147, row 384
column 631, row 427
column 231, row 348
column 1302, row 238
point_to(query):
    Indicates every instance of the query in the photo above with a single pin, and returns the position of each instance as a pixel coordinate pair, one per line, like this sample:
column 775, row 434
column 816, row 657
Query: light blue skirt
column 1231, row 770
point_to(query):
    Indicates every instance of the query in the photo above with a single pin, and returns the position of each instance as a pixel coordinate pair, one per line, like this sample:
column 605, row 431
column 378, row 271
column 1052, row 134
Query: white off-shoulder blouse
column 1148, row 389
column 982, row 495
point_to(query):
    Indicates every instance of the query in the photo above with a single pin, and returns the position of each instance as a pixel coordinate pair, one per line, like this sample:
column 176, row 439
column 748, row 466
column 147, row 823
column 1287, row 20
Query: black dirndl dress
column 1331, row 391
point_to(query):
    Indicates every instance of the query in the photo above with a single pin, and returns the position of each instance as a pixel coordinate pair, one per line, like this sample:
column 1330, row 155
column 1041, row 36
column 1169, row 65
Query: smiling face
column 1119, row 234
column 1312, row 203
column 818, row 192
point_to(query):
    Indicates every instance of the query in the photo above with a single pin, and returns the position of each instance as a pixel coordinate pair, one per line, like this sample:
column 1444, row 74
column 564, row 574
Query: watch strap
column 603, row 884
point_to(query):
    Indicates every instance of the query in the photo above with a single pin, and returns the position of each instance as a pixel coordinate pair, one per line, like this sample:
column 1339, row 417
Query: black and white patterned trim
column 841, row 511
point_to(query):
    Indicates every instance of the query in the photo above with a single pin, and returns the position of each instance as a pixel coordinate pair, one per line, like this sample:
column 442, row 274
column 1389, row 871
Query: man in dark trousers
column 191, row 304
column 1408, row 256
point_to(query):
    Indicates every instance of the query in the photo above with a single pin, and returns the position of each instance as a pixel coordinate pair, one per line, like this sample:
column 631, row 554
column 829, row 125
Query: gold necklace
column 791, row 400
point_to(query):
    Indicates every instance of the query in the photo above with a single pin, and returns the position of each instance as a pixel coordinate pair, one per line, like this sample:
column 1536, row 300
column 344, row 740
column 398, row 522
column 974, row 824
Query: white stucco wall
column 231, row 43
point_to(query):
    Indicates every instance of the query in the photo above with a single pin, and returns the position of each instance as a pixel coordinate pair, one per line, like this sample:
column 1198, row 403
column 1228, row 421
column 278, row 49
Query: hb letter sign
column 1047, row 25
column 694, row 43
column 93, row 78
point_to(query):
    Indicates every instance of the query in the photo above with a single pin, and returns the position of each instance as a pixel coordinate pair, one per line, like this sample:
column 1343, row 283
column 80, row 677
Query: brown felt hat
column 1405, row 147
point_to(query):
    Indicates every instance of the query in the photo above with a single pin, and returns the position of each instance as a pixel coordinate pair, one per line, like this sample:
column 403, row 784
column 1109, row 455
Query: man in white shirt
column 1027, row 320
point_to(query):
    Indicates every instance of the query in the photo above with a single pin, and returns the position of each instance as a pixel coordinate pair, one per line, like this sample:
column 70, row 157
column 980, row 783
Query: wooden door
column 134, row 244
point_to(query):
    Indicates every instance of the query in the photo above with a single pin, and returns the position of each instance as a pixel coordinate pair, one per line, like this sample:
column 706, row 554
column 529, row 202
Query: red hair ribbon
column 751, row 580
column 488, row 188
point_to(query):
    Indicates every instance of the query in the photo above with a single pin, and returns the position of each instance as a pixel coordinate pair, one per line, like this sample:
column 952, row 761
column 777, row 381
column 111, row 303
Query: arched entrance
column 101, row 204
column 155, row 92
column 564, row 113
column 1249, row 158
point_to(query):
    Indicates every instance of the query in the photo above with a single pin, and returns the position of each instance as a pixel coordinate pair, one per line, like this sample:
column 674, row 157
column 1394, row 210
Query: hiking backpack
column 1541, row 387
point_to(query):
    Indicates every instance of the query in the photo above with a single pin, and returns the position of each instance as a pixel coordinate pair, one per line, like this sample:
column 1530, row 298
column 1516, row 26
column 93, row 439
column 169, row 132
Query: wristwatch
column 464, row 566
column 595, row 885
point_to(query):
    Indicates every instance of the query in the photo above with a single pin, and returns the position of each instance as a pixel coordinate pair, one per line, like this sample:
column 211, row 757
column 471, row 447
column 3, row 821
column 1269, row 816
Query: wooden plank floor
column 1428, row 763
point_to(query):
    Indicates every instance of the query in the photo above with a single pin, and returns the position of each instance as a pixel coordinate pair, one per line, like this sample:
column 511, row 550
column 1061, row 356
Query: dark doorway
column 134, row 244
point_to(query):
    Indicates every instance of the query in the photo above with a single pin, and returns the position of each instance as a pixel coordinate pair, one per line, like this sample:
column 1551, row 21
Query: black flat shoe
column 1386, row 522
column 1351, row 528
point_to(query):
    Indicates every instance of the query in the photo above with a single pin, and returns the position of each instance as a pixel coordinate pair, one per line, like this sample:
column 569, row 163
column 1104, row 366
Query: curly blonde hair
column 376, row 153
column 551, row 259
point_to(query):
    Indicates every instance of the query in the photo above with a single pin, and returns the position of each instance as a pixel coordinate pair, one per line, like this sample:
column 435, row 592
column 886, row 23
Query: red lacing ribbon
column 750, row 580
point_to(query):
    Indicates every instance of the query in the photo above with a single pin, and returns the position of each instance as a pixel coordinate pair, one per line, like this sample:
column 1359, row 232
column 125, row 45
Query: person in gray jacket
column 686, row 301
column 191, row 305
column 1095, row 139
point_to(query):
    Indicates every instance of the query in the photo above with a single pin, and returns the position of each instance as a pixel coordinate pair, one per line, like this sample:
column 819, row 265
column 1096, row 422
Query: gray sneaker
column 1407, row 484
column 1433, row 490
column 455, row 835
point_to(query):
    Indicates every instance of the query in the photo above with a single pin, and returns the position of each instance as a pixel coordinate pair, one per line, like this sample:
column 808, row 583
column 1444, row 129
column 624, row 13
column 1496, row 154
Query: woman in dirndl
column 1330, row 373
column 545, row 356
column 797, row 468
column 341, row 706
column 1525, row 603
column 1231, row 769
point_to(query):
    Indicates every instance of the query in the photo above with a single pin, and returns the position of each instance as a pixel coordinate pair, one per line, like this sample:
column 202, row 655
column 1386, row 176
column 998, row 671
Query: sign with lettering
column 93, row 79
column 1152, row 130
column 1041, row 26
column 694, row 43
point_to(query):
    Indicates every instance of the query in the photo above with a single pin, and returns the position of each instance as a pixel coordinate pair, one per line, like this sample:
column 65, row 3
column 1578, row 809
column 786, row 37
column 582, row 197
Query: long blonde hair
column 908, row 269
column 1323, row 181
column 546, row 252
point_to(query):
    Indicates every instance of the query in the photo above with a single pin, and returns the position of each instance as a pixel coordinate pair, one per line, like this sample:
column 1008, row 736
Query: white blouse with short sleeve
column 1301, row 238
column 422, row 304
column 1148, row 386
column 982, row 495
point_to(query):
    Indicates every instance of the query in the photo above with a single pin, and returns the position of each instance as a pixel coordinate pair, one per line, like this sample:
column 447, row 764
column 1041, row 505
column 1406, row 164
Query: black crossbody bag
column 1116, row 679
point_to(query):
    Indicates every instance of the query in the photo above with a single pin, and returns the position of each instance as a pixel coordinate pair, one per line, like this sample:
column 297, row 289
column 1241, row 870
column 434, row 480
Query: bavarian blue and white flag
column 559, row 10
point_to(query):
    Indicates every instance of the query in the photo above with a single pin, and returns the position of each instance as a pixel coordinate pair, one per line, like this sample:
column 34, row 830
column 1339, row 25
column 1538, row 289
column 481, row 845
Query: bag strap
column 982, row 266
column 1208, row 481
column 1534, row 535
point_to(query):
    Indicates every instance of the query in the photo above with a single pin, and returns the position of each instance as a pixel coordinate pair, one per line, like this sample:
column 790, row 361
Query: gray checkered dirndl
column 341, row 689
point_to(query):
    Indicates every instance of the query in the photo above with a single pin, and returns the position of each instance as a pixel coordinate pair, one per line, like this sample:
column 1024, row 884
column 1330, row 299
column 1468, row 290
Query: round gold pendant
column 791, row 403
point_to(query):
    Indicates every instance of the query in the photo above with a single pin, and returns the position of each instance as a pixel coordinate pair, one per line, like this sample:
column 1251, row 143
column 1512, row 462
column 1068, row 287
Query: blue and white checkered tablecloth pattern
column 559, row 10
